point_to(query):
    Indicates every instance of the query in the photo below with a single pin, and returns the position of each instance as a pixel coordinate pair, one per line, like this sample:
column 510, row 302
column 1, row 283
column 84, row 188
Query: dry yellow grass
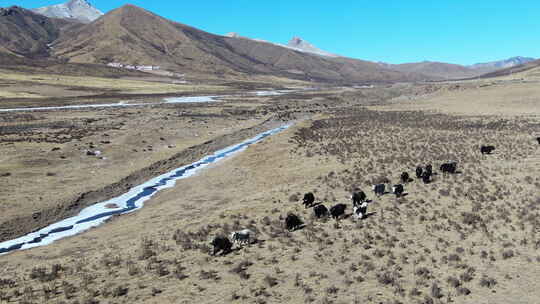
column 128, row 86
column 484, row 98
column 8, row 94
column 45, row 153
column 466, row 238
column 529, row 75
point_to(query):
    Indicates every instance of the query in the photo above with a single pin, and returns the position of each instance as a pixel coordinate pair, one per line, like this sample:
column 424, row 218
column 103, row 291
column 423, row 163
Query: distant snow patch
column 105, row 105
column 191, row 99
column 168, row 100
column 268, row 93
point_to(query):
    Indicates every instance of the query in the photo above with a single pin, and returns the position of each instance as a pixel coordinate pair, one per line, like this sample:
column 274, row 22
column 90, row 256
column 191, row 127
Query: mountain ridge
column 517, row 70
column 296, row 43
column 440, row 70
column 502, row 64
column 456, row 71
column 132, row 35
column 25, row 33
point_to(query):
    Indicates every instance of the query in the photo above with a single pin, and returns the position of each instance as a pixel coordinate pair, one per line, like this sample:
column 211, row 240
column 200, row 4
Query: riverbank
column 132, row 200
column 11, row 228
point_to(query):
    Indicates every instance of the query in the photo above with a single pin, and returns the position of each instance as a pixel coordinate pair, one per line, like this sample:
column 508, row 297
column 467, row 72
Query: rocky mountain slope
column 28, row 34
column 80, row 10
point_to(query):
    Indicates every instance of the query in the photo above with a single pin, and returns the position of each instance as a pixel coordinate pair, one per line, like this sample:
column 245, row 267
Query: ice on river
column 134, row 199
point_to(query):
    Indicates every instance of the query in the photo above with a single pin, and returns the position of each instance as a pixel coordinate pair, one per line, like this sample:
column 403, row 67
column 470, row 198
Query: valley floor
column 471, row 237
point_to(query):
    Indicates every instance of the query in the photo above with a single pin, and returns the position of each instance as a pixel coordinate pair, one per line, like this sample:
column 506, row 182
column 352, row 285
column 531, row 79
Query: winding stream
column 134, row 199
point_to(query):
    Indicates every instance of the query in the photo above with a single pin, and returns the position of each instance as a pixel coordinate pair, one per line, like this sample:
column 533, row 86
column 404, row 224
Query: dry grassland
column 45, row 170
column 471, row 237
column 502, row 100
column 19, row 85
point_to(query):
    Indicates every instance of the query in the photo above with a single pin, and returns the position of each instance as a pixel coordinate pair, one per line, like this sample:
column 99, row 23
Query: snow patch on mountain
column 301, row 45
column 296, row 43
column 80, row 10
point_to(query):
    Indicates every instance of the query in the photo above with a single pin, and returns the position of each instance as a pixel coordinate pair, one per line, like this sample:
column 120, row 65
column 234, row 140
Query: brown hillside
column 131, row 35
column 21, row 64
column 438, row 70
column 313, row 66
column 26, row 33
column 135, row 36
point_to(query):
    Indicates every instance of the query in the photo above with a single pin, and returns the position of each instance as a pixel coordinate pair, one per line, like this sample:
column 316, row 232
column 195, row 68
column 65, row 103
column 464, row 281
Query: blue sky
column 394, row 31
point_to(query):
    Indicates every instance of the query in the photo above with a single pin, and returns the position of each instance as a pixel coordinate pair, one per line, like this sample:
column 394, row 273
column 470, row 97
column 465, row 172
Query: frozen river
column 130, row 201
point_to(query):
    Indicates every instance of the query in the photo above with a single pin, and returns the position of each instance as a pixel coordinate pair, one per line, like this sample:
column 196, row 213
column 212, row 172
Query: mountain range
column 531, row 66
column 434, row 70
column 296, row 43
column 502, row 64
column 437, row 70
column 76, row 32
column 456, row 71
column 132, row 35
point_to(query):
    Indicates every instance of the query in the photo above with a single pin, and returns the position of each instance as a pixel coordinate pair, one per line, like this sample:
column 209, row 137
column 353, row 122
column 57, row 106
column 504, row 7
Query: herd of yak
column 359, row 204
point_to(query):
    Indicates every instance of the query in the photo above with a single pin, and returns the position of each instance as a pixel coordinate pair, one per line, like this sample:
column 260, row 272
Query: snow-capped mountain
column 296, row 43
column 301, row 45
column 233, row 35
column 80, row 10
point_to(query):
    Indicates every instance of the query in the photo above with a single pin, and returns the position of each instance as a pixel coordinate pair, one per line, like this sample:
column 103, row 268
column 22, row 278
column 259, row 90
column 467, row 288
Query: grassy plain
column 51, row 85
column 465, row 238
